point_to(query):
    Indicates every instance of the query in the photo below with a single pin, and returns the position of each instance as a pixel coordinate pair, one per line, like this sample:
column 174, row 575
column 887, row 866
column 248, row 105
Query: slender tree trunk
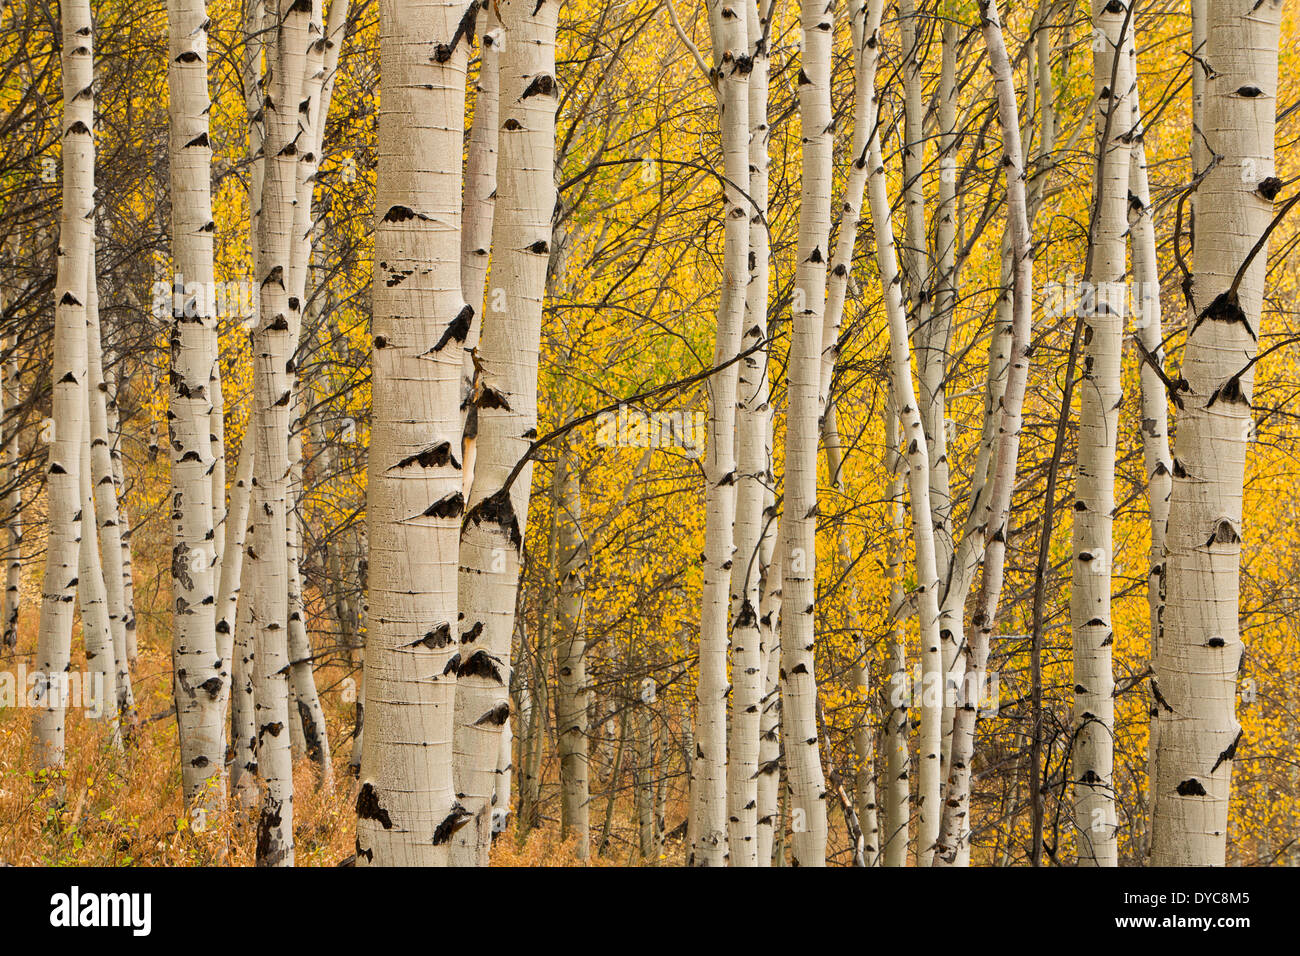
column 769, row 728
column 96, row 629
column 646, row 773
column 754, row 476
column 407, row 808
column 1100, row 396
column 916, row 460
column 506, row 402
column 479, row 201
column 995, row 514
column 1148, row 326
column 243, row 720
column 898, row 761
column 68, row 404
column 199, row 674
column 1201, row 650
column 799, row 523
column 124, row 521
column 274, row 342
column 106, row 512
column 709, row 769
column 572, row 696
column 932, row 361
column 13, row 509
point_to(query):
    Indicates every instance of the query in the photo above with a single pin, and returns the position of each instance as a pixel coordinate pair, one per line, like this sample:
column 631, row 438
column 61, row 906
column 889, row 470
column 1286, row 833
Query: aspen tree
column 274, row 342
column 798, row 523
column 865, row 44
column 1200, row 650
column 13, row 509
column 994, row 514
column 769, row 728
column 199, row 675
column 68, row 404
column 916, row 464
column 1100, row 396
column 124, row 520
column 1148, row 331
column 506, row 401
column 479, row 201
column 754, row 471
column 731, row 68
column 96, row 632
column 406, row 807
column 571, row 692
column 104, row 492
column 897, row 807
column 243, row 722
column 933, row 357
column 308, row 715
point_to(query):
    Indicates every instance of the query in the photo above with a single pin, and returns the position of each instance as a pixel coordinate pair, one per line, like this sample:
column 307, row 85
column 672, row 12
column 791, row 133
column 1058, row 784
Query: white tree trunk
column 1100, row 395
column 1201, row 650
column 1148, row 325
column 13, row 510
column 407, row 808
column 916, row 462
column 480, row 195
column 124, row 521
column 769, row 728
column 571, row 693
column 68, row 405
column 199, row 674
column 104, row 493
column 898, row 762
column 274, row 341
column 753, row 476
column 799, row 521
column 708, row 847
column 506, row 401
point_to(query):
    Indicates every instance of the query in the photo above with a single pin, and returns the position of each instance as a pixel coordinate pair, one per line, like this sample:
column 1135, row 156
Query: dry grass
column 124, row 808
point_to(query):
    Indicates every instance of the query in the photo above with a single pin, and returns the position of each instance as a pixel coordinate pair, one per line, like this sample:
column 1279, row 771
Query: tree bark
column 68, row 404
column 505, row 399
column 799, row 523
column 1100, row 395
column 407, row 808
column 1201, row 650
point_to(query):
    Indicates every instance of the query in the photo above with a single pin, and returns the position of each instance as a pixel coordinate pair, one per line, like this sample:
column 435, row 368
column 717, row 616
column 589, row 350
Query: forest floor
column 124, row 807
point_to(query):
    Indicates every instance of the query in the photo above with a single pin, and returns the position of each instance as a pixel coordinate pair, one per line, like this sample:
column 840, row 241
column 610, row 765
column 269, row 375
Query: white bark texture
column 407, row 809
column 274, row 341
column 479, row 201
column 995, row 513
column 571, row 692
column 1100, row 395
column 799, row 522
column 104, row 487
column 1201, row 650
column 709, row 768
column 505, row 397
column 199, row 675
column 13, row 511
column 916, row 463
column 769, row 728
column 897, row 805
column 96, row 633
column 68, row 404
column 753, row 476
column 1149, row 333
